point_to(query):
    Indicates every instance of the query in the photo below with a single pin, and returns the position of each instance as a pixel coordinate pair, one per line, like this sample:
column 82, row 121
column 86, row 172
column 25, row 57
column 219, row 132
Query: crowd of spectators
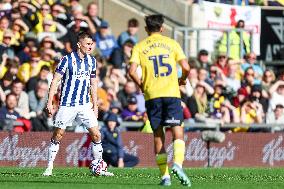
column 35, row 34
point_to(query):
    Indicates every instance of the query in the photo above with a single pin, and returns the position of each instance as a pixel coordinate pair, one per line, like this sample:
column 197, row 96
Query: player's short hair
column 154, row 22
column 83, row 35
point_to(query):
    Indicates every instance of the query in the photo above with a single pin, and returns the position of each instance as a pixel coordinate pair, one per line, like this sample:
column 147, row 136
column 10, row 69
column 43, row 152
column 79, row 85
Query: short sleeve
column 135, row 56
column 62, row 66
column 94, row 67
column 179, row 53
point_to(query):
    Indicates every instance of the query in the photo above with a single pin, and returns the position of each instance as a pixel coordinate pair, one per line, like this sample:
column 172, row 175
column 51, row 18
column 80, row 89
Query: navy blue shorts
column 164, row 111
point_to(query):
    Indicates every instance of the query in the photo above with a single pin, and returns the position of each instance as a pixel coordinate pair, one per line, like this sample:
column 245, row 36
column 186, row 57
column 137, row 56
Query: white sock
column 52, row 151
column 97, row 150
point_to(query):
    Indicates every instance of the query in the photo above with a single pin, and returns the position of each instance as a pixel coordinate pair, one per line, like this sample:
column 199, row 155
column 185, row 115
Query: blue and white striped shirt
column 75, row 84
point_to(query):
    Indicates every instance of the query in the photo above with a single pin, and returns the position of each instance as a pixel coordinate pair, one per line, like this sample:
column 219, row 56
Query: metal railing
column 211, row 125
column 186, row 31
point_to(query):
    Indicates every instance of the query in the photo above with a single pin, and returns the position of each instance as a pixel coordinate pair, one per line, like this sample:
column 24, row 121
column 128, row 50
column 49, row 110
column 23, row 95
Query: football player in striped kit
column 77, row 73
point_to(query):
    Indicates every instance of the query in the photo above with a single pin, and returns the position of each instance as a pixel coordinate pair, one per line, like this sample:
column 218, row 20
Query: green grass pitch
column 80, row 178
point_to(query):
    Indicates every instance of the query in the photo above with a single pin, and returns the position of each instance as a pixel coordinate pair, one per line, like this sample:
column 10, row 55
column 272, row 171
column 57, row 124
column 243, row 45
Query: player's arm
column 134, row 62
column 185, row 71
column 182, row 61
column 132, row 73
column 94, row 88
column 52, row 91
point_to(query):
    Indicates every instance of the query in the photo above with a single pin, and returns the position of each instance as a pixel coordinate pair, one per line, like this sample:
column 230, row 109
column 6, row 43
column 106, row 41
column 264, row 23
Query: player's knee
column 95, row 134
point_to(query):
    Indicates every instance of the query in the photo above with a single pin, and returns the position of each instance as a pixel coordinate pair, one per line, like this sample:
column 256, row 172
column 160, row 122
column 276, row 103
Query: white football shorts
column 83, row 114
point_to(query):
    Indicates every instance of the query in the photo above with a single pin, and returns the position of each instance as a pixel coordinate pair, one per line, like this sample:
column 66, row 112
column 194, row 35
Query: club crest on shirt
column 74, row 62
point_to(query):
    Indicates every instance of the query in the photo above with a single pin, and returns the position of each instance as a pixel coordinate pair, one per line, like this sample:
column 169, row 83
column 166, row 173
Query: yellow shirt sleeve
column 135, row 55
column 179, row 53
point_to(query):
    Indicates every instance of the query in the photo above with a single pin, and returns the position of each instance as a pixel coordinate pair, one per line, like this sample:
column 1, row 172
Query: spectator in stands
column 48, row 30
column 42, row 76
column 22, row 98
column 19, row 29
column 128, row 90
column 130, row 34
column 242, row 95
column 8, row 113
column 120, row 56
column 222, row 63
column 234, row 42
column 93, row 14
column 251, row 112
column 6, row 45
column 276, row 92
column 11, row 68
column 105, row 41
column 131, row 113
column 113, row 153
column 6, row 82
column 31, row 68
column 256, row 96
column 198, row 103
column 202, row 74
column 192, row 80
column 277, row 117
column 251, row 62
column 59, row 14
column 28, row 15
column 249, row 79
column 4, row 25
column 233, row 79
column 44, row 15
column 202, row 60
column 268, row 79
column 37, row 103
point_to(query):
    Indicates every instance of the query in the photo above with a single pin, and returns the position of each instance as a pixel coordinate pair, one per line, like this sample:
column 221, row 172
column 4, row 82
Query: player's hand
column 49, row 109
column 181, row 82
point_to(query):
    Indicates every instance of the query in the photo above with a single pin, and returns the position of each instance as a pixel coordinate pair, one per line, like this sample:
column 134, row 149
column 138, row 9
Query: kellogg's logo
column 197, row 151
column 273, row 151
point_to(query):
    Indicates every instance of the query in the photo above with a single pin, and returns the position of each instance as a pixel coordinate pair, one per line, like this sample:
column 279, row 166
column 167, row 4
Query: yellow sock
column 161, row 160
column 179, row 149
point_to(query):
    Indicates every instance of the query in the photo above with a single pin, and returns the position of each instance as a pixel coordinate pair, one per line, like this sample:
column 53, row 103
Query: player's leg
column 174, row 118
column 154, row 111
column 65, row 116
column 87, row 116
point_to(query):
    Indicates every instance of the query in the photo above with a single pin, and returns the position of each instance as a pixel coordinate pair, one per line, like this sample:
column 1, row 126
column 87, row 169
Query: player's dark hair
column 83, row 35
column 133, row 22
column 154, row 22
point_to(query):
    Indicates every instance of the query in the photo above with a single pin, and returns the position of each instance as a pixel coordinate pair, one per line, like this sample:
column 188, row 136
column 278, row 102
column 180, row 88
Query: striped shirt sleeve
column 62, row 66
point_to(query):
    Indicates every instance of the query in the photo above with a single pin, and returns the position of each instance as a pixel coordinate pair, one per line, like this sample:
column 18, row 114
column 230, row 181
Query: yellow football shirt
column 158, row 56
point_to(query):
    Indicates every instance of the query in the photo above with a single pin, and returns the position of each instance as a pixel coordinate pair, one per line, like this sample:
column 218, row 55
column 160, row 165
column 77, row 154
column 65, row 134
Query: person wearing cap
column 105, row 41
column 112, row 144
column 48, row 25
column 130, row 113
column 222, row 63
column 130, row 34
column 202, row 60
